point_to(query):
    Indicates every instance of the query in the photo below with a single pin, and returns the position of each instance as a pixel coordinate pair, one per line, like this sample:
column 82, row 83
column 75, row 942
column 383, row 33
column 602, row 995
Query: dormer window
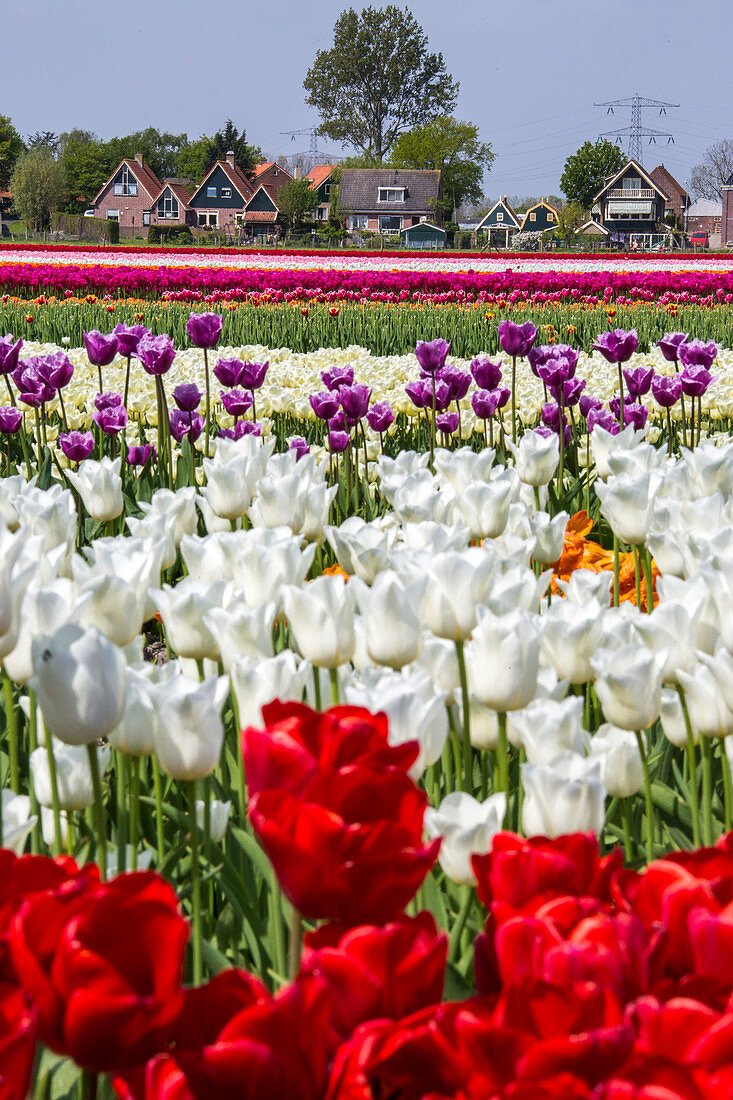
column 226, row 192
column 391, row 194
column 126, row 183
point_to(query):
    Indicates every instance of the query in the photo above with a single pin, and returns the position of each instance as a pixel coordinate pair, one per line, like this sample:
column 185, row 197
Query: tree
column 43, row 138
column 159, row 150
column 87, row 163
column 377, row 80
column 586, row 170
column 454, row 148
column 296, row 200
column 569, row 219
column 39, row 186
column 194, row 159
column 229, row 140
column 707, row 178
column 11, row 146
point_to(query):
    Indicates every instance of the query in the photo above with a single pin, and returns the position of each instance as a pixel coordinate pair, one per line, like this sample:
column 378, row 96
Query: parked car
column 89, row 213
column 699, row 239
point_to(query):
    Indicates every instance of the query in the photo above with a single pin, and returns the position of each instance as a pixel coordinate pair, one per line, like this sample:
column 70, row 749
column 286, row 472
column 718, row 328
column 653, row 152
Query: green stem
column 707, row 791
column 121, row 816
column 36, row 835
column 626, row 810
column 12, row 726
column 727, row 788
column 295, row 947
column 317, row 687
column 502, row 755
column 460, row 922
column 692, row 766
column 207, row 430
column 334, row 678
column 646, row 561
column 99, row 822
column 134, row 810
column 616, row 598
column 53, row 780
column 514, row 399
column 467, row 783
column 195, row 884
column 648, row 797
column 159, row 833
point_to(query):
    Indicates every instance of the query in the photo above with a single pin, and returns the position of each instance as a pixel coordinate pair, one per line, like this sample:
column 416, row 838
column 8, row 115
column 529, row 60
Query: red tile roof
column 260, row 215
column 178, row 189
column 319, row 174
column 144, row 176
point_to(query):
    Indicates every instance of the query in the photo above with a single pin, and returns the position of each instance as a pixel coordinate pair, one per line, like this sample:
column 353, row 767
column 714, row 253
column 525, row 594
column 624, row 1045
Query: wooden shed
column 423, row 235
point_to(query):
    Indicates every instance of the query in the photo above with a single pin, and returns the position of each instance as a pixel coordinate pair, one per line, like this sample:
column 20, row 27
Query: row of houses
column 631, row 202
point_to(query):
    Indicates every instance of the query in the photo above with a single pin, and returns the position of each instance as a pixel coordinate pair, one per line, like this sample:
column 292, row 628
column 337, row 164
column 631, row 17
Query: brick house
column 128, row 195
column 226, row 199
column 706, row 216
column 677, row 198
column 387, row 200
column 321, row 181
column 173, row 205
column 630, row 202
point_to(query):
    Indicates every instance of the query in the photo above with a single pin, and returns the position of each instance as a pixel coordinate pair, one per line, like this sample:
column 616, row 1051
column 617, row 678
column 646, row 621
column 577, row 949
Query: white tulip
column 439, row 659
column 362, row 549
column 213, row 523
column 669, row 630
column 184, row 610
column 48, row 830
column 585, row 585
column 155, row 529
column 463, row 467
column 710, row 715
column 484, row 507
column 257, row 681
column 178, row 510
column 240, row 631
column 99, row 485
column 566, row 796
column 228, row 491
column 49, row 513
column 516, row 586
column 321, row 618
column 546, row 728
column 391, row 614
column 629, row 685
column 548, row 536
column 457, row 583
column 604, row 444
column 503, row 660
column 114, row 608
column 263, row 561
column 135, row 734
column 73, row 775
column 435, row 537
column 468, row 828
column 280, row 502
column 626, row 502
column 15, row 810
column 318, row 500
column 569, row 636
column 623, row 772
column 672, row 719
column 189, row 733
column 536, row 457
column 79, row 680
column 218, row 818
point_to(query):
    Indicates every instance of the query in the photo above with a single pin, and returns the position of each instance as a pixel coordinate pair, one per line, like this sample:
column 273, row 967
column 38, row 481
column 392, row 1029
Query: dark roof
column 235, row 176
column 178, row 189
column 359, row 190
column 610, row 180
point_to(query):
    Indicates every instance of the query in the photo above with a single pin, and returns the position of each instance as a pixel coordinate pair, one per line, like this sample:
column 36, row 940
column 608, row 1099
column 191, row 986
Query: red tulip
column 17, row 1043
column 103, row 963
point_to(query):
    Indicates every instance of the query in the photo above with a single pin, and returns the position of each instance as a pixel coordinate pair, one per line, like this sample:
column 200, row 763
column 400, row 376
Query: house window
column 533, row 217
column 357, row 221
column 500, row 216
column 390, row 223
column 226, row 192
column 208, row 218
column 146, row 217
column 632, row 183
column 168, row 207
column 210, row 192
column 113, row 215
column 126, row 184
column 550, row 217
column 391, row 194
column 326, row 190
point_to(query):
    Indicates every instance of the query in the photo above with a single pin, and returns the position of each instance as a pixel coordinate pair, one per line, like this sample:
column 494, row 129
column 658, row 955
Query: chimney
column 230, row 158
column 298, row 172
column 139, row 158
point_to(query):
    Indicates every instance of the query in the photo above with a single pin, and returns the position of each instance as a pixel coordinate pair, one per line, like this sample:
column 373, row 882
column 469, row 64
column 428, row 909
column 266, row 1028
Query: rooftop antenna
column 636, row 131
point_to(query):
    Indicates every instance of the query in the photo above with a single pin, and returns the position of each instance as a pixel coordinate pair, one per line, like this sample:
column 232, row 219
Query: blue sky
column 530, row 71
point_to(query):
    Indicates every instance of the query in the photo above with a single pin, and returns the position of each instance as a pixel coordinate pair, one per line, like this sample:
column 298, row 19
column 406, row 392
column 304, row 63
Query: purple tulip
column 9, row 352
column 337, row 377
column 228, row 371
column 111, row 420
column 603, row 418
column 300, row 446
column 56, row 370
column 355, row 400
column 337, row 423
column 486, row 373
column 697, row 353
column 516, row 340
column 253, row 375
column 107, row 401
column 617, row 346
column 156, row 353
column 571, row 391
column 236, row 402
column 638, row 380
column 338, row 441
column 636, row 414
column 417, row 393
column 547, row 354
column 457, row 381
column 485, row 403
column 432, row 354
column 695, row 379
column 544, row 431
column 31, row 388
column 324, row 404
column 187, row 397
column 380, row 416
column 185, row 423
column 555, row 370
column 76, row 445
column 204, row 329
column 250, row 427
column 142, row 455
column 101, row 349
column 551, row 415
column 666, row 389
column 442, row 393
column 669, row 345
column 447, row 423
column 10, row 419
column 128, row 337
column 588, row 402
column 503, row 395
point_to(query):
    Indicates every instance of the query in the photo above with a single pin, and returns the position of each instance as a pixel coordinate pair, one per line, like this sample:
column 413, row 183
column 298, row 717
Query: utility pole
column 636, row 131
column 314, row 153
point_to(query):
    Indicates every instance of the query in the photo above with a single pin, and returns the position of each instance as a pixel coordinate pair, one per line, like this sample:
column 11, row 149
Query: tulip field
column 367, row 682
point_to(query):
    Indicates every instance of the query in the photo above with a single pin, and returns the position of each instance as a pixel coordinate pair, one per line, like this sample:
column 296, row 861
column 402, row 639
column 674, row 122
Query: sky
column 530, row 72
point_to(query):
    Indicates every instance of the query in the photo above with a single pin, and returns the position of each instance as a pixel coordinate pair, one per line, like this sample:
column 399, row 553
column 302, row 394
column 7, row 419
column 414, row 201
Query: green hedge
column 169, row 234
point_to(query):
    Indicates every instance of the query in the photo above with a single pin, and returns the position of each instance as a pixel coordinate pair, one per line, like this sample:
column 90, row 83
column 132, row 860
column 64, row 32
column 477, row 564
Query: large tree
column 11, row 146
column 586, row 170
column 229, row 140
column 453, row 147
column 296, row 200
column 39, row 186
column 378, row 80
column 88, row 163
column 707, row 178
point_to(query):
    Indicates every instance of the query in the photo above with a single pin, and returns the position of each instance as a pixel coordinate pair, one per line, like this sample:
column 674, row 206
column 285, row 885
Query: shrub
column 177, row 233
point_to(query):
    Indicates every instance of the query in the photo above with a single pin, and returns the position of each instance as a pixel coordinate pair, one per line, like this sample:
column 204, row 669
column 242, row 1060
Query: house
column 128, row 195
column 423, row 235
column 222, row 196
column 706, row 216
column 539, row 218
column 500, row 224
column 592, row 228
column 387, row 200
column 677, row 198
column 321, row 180
column 173, row 205
column 630, row 202
column 261, row 214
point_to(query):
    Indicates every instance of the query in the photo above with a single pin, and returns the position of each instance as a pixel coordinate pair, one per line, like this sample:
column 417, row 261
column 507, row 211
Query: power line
column 636, row 131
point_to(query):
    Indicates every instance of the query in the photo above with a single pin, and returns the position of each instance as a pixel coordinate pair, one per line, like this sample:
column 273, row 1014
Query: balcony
column 631, row 193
